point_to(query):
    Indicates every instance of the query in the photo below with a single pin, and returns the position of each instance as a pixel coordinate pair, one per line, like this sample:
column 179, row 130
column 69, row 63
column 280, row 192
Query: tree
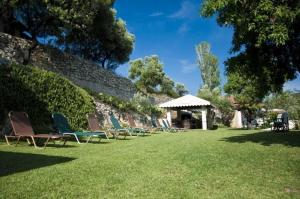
column 28, row 19
column 167, row 87
column 287, row 100
column 207, row 94
column 89, row 29
column 208, row 64
column 210, row 90
column 222, row 103
column 265, row 44
column 244, row 90
column 8, row 22
column 102, row 37
column 148, row 76
column 147, row 73
column 180, row 89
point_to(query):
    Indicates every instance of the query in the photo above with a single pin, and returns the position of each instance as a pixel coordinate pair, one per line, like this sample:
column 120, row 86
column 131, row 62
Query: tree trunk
column 27, row 54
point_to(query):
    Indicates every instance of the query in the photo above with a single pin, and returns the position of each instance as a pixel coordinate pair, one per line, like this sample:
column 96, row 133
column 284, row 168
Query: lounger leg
column 77, row 139
column 6, row 138
column 18, row 140
column 65, row 141
column 106, row 136
column 32, row 138
column 28, row 141
column 89, row 139
column 47, row 142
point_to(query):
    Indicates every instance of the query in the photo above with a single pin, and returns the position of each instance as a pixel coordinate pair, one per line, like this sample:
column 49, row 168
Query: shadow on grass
column 128, row 138
column 39, row 143
column 97, row 142
column 240, row 129
column 266, row 138
column 143, row 135
column 12, row 162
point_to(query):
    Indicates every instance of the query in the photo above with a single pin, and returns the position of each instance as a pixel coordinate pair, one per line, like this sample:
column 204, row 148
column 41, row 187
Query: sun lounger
column 155, row 124
column 134, row 128
column 117, row 128
column 166, row 127
column 63, row 127
column 94, row 124
column 21, row 128
column 176, row 128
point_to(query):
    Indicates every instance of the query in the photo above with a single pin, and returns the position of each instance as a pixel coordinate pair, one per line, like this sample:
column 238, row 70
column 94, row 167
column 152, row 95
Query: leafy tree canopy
column 289, row 101
column 180, row 89
column 87, row 28
column 148, row 75
column 266, row 42
column 245, row 90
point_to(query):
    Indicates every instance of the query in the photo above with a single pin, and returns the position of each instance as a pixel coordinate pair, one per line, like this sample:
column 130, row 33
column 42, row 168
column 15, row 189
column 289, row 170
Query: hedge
column 40, row 93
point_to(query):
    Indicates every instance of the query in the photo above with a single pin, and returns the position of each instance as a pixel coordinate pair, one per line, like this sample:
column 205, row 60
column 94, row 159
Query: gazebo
column 189, row 102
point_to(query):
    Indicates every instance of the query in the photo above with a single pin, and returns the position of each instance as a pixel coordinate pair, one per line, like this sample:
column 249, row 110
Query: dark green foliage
column 88, row 28
column 149, row 77
column 168, row 87
column 180, row 89
column 147, row 73
column 246, row 91
column 40, row 93
column 266, row 41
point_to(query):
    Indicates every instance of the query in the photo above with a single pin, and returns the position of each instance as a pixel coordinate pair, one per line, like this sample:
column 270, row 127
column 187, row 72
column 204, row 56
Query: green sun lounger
column 117, row 128
column 167, row 128
column 155, row 124
column 63, row 127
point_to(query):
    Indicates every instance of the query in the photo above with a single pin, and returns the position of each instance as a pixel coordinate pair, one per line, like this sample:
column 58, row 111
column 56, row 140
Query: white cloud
column 187, row 10
column 156, row 14
column 187, row 67
column 183, row 28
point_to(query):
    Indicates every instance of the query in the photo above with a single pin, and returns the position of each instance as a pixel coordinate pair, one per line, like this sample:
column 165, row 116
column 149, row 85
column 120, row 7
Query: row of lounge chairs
column 21, row 128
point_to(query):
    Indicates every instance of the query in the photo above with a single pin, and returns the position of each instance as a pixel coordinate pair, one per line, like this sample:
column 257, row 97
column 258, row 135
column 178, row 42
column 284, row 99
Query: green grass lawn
column 195, row 164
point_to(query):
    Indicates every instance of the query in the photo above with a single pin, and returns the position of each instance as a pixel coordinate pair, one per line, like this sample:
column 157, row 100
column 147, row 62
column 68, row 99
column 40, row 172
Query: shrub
column 140, row 103
column 40, row 93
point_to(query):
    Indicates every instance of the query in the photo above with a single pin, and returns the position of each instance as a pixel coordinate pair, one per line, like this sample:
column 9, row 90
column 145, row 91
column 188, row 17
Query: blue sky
column 171, row 29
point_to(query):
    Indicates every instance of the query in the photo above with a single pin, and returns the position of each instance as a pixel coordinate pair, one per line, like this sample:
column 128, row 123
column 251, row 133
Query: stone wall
column 82, row 72
column 103, row 111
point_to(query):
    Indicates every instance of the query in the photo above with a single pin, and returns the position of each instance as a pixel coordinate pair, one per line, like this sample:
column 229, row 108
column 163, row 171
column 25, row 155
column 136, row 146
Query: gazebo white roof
column 185, row 101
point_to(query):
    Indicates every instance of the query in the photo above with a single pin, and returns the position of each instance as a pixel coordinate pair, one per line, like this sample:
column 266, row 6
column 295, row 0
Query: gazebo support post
column 169, row 118
column 204, row 118
column 210, row 118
